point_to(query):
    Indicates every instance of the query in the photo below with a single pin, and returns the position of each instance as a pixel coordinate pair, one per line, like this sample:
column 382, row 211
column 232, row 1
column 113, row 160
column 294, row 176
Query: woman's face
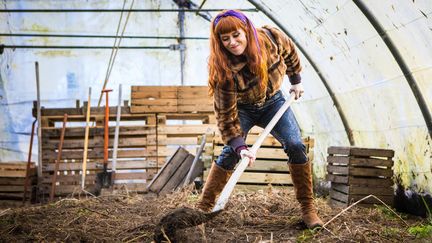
column 235, row 41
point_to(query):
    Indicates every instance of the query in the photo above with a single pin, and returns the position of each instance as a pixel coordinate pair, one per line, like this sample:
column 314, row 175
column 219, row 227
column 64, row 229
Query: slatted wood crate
column 166, row 99
column 12, row 179
column 358, row 172
column 136, row 151
column 270, row 166
column 175, row 129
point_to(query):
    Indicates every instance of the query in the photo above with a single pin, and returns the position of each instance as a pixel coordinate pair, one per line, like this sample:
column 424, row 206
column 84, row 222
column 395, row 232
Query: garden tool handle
column 106, row 128
column 229, row 187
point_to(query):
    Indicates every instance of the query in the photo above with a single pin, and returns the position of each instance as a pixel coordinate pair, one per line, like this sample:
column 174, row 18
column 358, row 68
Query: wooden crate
column 174, row 99
column 181, row 129
column 136, row 151
column 270, row 166
column 358, row 172
column 12, row 180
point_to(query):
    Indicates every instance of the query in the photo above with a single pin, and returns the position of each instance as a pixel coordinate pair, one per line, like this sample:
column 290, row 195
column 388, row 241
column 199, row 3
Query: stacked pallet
column 170, row 99
column 12, row 180
column 136, row 149
column 183, row 113
column 358, row 172
column 270, row 166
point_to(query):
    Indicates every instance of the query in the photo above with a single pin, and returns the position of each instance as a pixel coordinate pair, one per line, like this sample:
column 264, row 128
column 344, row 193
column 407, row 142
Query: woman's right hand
column 247, row 153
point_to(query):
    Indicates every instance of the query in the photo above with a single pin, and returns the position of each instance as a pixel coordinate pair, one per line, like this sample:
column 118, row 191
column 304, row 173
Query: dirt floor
column 269, row 215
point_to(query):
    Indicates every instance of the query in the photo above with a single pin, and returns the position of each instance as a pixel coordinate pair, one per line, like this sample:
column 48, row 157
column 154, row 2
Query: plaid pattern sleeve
column 289, row 54
column 225, row 106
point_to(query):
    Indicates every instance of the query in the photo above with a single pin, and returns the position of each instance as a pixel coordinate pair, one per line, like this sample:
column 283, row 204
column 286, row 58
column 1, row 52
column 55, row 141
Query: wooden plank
column 179, row 175
column 340, row 188
column 69, row 179
column 340, row 196
column 194, row 101
column 152, row 109
column 185, row 92
column 96, row 142
column 340, row 170
column 353, row 161
column 98, row 154
column 336, row 204
column 11, row 195
column 359, row 171
column 337, row 178
column 15, row 180
column 386, row 199
column 15, row 165
column 364, row 190
column 15, row 188
column 131, row 176
column 54, row 132
column 132, row 164
column 183, row 129
column 262, row 178
column 370, row 172
column 356, row 151
column 155, row 102
column 269, row 153
column 153, row 88
column 382, row 182
column 195, row 108
column 168, row 170
column 268, row 141
column 12, row 173
column 269, row 165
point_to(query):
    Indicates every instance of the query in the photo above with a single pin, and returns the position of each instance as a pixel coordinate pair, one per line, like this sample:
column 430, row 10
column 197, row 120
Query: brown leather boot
column 301, row 175
column 216, row 180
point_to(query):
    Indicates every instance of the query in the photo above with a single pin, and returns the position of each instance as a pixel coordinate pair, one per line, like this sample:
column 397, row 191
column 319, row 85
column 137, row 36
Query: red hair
column 219, row 71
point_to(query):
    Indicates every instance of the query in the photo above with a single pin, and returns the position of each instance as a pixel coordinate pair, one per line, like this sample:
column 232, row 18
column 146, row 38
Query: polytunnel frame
column 336, row 103
column 421, row 102
column 400, row 61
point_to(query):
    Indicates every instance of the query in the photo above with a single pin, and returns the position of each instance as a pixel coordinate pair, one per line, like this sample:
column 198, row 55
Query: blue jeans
column 286, row 131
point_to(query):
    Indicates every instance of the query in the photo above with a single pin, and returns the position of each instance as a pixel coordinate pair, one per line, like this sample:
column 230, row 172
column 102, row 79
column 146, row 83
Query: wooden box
column 12, row 180
column 358, row 172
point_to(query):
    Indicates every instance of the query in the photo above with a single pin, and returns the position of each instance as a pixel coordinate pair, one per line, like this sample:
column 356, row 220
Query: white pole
column 39, row 130
column 117, row 130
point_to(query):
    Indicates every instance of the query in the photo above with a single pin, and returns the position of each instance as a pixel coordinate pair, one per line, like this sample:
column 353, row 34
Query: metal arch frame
column 315, row 67
column 400, row 61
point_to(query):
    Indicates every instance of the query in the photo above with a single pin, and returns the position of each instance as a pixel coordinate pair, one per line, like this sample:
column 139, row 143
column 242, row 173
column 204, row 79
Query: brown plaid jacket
column 244, row 89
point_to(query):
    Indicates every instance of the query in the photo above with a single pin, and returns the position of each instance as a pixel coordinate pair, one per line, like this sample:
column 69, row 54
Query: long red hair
column 219, row 71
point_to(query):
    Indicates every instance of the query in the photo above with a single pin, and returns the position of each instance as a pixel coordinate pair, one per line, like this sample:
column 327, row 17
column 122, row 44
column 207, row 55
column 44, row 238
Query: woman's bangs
column 228, row 24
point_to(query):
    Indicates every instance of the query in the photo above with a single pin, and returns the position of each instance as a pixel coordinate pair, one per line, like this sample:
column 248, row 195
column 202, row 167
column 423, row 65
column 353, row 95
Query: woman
column 246, row 69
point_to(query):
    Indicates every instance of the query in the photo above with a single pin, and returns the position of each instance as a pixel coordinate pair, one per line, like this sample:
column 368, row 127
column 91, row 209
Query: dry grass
column 265, row 216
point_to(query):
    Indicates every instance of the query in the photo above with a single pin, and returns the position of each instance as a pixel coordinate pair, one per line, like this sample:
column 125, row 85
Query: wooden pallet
column 270, row 166
column 358, row 172
column 173, row 173
column 175, row 99
column 12, row 180
column 136, row 150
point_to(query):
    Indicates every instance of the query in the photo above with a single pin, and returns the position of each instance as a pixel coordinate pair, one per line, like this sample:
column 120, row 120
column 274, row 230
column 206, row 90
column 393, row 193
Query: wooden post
column 59, row 154
column 28, row 162
column 86, row 137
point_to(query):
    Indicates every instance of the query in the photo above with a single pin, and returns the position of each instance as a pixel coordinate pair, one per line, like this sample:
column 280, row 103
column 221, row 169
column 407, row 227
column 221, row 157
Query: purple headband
column 240, row 16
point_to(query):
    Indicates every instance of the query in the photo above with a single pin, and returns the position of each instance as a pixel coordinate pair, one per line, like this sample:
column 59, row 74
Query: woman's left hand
column 297, row 89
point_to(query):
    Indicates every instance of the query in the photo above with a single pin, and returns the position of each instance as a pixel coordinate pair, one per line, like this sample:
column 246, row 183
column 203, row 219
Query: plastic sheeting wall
column 374, row 95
